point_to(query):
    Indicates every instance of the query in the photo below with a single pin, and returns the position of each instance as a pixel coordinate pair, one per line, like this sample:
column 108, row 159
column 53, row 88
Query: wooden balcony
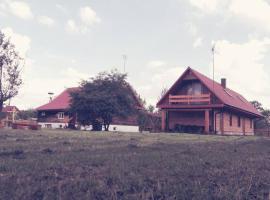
column 190, row 99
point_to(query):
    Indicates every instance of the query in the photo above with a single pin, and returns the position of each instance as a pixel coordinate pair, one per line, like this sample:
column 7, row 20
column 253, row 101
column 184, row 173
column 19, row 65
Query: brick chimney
column 223, row 83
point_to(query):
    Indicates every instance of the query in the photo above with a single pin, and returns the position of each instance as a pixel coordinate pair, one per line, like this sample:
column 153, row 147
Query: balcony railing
column 190, row 99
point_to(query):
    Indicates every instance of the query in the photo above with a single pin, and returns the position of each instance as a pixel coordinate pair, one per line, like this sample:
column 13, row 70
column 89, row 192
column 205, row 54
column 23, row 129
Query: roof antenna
column 124, row 62
column 50, row 95
column 213, row 53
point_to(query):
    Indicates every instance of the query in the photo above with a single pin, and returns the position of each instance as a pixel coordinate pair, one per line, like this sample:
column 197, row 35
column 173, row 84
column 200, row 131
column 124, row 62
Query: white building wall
column 124, row 128
column 53, row 125
column 112, row 128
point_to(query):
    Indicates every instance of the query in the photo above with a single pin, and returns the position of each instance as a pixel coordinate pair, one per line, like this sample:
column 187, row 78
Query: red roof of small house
column 10, row 109
column 61, row 102
column 229, row 97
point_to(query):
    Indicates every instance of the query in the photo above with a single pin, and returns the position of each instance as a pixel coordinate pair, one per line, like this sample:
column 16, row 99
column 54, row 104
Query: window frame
column 61, row 115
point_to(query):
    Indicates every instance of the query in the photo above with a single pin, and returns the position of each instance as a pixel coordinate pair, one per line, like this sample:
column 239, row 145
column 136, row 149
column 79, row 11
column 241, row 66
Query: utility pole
column 124, row 62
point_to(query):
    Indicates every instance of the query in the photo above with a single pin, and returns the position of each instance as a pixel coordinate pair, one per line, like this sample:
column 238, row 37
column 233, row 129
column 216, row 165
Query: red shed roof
column 61, row 102
column 229, row 97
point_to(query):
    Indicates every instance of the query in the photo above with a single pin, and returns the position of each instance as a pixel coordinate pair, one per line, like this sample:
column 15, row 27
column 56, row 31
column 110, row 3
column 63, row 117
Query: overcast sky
column 65, row 41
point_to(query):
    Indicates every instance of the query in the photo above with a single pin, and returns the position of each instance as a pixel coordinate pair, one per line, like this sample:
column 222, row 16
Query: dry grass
column 86, row 165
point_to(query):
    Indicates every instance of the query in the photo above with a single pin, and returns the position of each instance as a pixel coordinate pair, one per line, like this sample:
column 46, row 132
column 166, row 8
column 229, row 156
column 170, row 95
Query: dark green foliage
column 102, row 98
column 143, row 120
column 149, row 121
column 10, row 70
column 264, row 122
column 27, row 114
column 151, row 108
column 257, row 105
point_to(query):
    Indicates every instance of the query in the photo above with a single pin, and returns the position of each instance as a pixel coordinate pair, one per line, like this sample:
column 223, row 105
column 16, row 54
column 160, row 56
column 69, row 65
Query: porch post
column 163, row 120
column 206, row 121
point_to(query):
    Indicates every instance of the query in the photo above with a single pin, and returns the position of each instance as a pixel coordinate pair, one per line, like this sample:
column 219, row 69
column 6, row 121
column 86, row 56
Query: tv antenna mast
column 124, row 62
column 213, row 54
column 50, row 95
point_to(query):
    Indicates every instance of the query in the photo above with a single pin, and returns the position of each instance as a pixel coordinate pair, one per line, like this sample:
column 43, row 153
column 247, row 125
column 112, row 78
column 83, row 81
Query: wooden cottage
column 195, row 103
column 55, row 114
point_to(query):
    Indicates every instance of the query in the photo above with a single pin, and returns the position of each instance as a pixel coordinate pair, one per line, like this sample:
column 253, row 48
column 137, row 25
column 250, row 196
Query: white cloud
column 156, row 64
column 34, row 86
column 208, row 6
column 89, row 16
column 61, row 8
column 72, row 27
column 20, row 9
column 197, row 42
column 74, row 75
column 191, row 28
column 256, row 12
column 45, row 20
column 241, row 64
column 22, row 42
column 162, row 75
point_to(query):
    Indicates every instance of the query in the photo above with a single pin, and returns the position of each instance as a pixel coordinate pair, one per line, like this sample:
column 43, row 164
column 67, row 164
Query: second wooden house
column 195, row 103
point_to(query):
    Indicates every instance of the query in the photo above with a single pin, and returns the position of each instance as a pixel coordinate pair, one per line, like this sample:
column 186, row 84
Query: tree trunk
column 1, row 105
column 106, row 127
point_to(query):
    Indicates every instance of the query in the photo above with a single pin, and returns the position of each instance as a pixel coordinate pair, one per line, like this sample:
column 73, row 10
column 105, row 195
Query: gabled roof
column 227, row 96
column 61, row 102
column 9, row 109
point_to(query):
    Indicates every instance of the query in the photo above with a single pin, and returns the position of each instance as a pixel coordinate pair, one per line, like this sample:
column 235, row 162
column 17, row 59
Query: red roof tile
column 61, row 102
column 227, row 96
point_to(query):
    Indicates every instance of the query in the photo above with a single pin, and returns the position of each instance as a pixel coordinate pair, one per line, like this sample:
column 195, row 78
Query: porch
column 184, row 120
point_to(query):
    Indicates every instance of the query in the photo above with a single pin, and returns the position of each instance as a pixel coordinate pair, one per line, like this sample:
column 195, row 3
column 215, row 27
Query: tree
column 27, row 114
column 102, row 98
column 10, row 73
column 151, row 108
column 257, row 105
column 162, row 93
column 262, row 123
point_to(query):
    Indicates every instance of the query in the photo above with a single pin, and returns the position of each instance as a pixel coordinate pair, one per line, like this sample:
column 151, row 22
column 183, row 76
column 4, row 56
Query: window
column 43, row 114
column 60, row 115
column 194, row 89
column 251, row 123
column 239, row 121
column 231, row 118
column 197, row 88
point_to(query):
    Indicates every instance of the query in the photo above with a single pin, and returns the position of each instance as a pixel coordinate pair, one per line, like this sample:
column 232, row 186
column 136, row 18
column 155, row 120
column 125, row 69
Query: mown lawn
column 85, row 165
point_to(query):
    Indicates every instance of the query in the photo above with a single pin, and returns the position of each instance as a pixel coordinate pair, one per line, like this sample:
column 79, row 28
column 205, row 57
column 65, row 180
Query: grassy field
column 84, row 165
